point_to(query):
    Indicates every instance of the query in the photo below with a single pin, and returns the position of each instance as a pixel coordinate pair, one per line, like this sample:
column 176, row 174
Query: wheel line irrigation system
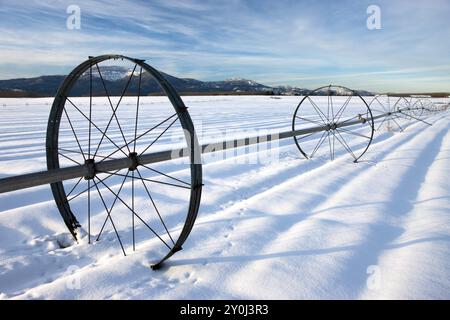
column 325, row 122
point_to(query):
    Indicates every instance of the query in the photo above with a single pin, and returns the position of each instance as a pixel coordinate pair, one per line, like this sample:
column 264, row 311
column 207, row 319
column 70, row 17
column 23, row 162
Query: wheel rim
column 132, row 128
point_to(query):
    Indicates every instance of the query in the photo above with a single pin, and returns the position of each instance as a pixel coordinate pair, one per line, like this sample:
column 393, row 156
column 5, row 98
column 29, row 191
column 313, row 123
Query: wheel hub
column 134, row 161
column 331, row 126
column 90, row 169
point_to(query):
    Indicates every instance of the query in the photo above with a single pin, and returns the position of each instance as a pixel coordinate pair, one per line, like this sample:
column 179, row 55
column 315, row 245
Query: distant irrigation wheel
column 405, row 108
column 416, row 109
column 387, row 107
column 346, row 120
column 111, row 123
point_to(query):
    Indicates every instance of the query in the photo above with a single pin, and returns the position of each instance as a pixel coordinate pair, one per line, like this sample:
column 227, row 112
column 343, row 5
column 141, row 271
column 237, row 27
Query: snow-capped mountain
column 116, row 78
column 111, row 73
column 338, row 91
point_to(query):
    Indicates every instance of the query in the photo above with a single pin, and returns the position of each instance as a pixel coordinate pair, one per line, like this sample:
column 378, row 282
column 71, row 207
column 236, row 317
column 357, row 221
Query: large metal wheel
column 387, row 110
column 344, row 123
column 417, row 108
column 117, row 119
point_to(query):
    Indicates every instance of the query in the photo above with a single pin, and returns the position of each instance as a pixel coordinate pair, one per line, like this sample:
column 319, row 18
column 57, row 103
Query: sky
column 301, row 43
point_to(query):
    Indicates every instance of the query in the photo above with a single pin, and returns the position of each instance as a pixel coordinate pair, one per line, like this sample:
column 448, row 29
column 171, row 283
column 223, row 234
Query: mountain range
column 116, row 78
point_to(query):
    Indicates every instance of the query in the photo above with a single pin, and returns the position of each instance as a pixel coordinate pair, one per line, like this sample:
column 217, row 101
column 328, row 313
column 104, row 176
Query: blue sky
column 299, row 43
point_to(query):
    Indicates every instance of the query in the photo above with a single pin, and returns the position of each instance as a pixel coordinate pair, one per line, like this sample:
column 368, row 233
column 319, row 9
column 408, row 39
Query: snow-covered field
column 289, row 228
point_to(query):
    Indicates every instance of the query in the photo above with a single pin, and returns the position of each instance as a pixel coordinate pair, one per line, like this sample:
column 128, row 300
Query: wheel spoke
column 75, row 135
column 132, row 208
column 333, row 139
column 112, row 206
column 157, row 138
column 345, row 145
column 342, row 109
column 393, row 119
column 89, row 211
column 141, row 135
column 154, row 206
column 384, row 120
column 382, row 105
column 396, row 103
column 309, row 120
column 354, row 133
column 68, row 158
column 90, row 109
column 89, row 188
column 419, row 120
column 114, row 110
column 110, row 218
column 166, row 175
column 321, row 140
column 150, row 228
column 328, row 109
column 76, row 185
column 318, row 111
column 150, row 180
column 78, row 152
column 96, row 127
column 306, row 136
column 137, row 110
column 329, row 143
column 330, row 102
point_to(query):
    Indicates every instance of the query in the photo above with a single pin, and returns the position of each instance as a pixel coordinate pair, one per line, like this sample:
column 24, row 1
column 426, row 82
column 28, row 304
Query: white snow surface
column 289, row 229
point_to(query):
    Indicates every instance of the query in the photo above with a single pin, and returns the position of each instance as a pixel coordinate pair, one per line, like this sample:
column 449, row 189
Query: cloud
column 303, row 43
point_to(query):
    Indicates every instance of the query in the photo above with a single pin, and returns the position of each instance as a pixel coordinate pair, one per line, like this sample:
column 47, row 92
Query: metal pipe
column 46, row 177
